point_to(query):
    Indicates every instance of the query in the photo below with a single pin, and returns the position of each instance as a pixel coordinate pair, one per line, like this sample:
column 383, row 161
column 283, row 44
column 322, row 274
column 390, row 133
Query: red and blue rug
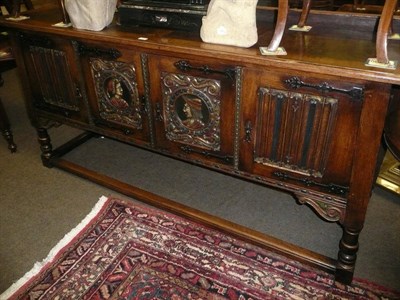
column 124, row 250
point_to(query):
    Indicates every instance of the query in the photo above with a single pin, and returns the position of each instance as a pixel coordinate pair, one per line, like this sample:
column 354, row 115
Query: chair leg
column 28, row 4
column 6, row 130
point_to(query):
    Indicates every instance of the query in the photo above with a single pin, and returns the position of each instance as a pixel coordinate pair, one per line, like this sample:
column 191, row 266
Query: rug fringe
column 53, row 252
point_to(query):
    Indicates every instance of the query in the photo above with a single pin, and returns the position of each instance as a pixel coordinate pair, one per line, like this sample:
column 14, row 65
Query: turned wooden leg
column 6, row 130
column 362, row 180
column 7, row 134
column 45, row 146
column 347, row 256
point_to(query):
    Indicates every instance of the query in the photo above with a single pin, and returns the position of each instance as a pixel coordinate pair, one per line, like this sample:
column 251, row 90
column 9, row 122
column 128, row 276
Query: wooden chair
column 6, row 130
column 7, row 62
column 14, row 7
column 385, row 30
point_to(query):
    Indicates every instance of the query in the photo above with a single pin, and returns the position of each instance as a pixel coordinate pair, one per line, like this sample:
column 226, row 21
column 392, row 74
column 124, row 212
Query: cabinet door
column 194, row 108
column 300, row 129
column 116, row 92
column 53, row 76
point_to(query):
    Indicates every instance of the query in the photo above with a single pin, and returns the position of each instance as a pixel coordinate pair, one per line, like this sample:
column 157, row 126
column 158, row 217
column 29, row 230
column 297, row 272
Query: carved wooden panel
column 192, row 110
column 294, row 130
column 117, row 94
column 54, row 78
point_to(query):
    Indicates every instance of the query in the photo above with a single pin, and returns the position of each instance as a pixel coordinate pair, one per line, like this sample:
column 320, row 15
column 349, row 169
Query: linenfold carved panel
column 56, row 90
column 192, row 110
column 294, row 130
column 117, row 94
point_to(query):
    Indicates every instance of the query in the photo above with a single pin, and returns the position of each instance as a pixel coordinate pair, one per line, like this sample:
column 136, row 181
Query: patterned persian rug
column 123, row 250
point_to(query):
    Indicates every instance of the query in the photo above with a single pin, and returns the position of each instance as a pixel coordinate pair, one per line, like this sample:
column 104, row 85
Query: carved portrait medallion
column 192, row 110
column 117, row 94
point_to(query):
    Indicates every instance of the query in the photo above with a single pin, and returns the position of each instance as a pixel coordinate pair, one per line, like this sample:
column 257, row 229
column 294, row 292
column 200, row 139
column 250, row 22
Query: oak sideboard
column 309, row 123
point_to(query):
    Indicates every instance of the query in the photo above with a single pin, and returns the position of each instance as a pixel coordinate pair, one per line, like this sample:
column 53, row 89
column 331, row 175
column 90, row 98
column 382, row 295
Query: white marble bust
column 230, row 22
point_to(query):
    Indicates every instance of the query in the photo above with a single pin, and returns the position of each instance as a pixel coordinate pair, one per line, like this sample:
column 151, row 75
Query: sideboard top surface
column 340, row 52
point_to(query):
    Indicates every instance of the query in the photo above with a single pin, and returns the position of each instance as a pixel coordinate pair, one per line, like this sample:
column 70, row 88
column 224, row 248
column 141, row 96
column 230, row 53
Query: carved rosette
column 192, row 110
column 117, row 94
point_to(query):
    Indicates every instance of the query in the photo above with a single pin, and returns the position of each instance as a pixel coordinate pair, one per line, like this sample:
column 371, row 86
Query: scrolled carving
column 328, row 211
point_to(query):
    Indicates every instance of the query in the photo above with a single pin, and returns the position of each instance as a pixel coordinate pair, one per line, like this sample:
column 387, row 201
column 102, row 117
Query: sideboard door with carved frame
column 53, row 76
column 194, row 105
column 117, row 95
column 299, row 132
